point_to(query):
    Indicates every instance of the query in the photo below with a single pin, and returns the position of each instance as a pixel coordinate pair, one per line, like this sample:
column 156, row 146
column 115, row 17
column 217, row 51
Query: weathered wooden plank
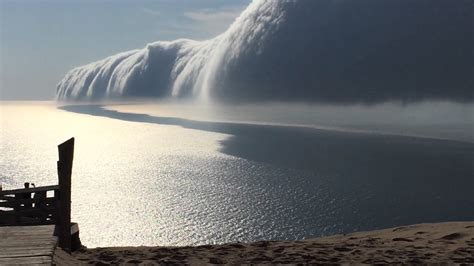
column 9, row 241
column 7, row 197
column 46, row 247
column 32, row 228
column 28, row 245
column 32, row 242
column 19, row 239
column 25, row 253
column 28, row 190
column 33, row 211
column 22, row 238
column 26, row 235
column 25, row 239
column 50, row 221
column 36, row 221
column 14, row 201
column 36, row 251
column 26, row 249
column 35, row 229
column 45, row 233
column 35, row 260
column 41, row 243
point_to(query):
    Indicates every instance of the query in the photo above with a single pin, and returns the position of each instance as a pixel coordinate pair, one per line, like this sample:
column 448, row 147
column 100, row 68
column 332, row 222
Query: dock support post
column 66, row 154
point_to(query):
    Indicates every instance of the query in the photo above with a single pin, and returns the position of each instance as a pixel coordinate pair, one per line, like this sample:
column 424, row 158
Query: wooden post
column 27, row 195
column 40, row 204
column 18, row 206
column 66, row 154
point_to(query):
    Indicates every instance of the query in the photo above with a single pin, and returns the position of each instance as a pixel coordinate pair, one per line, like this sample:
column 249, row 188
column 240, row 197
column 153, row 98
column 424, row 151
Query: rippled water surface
column 163, row 175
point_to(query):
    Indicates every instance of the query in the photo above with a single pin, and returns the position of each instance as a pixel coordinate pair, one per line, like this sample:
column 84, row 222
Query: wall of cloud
column 333, row 51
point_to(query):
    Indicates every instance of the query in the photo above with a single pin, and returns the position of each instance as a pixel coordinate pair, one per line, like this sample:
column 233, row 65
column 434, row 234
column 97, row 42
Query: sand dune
column 451, row 242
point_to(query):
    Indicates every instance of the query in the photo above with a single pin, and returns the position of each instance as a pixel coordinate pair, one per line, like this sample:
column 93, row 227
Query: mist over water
column 443, row 120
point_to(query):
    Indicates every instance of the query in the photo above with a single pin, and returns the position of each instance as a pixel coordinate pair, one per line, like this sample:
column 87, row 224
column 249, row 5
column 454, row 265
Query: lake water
column 180, row 174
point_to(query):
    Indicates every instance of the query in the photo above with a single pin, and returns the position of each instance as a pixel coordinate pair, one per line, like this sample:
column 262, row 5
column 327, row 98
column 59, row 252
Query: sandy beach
column 451, row 242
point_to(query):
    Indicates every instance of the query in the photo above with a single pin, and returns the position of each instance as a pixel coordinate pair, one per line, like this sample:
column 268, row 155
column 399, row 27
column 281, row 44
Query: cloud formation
column 340, row 51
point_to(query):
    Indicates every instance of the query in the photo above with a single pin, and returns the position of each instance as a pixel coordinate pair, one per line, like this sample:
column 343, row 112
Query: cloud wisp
column 364, row 51
column 210, row 16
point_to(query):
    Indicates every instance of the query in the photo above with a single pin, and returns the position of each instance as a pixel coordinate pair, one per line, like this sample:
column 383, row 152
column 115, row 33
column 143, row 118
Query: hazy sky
column 41, row 40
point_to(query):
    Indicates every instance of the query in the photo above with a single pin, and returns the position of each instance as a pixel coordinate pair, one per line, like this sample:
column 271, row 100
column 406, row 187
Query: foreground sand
column 423, row 243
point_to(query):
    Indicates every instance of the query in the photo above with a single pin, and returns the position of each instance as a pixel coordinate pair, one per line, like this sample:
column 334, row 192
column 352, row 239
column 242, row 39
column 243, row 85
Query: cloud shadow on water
column 431, row 177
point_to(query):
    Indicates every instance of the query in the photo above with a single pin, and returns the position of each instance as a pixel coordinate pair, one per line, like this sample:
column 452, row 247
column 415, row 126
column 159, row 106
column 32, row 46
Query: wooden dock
column 27, row 244
column 35, row 223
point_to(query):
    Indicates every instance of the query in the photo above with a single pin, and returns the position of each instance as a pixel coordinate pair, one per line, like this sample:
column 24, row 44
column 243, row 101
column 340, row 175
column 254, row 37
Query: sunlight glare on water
column 188, row 183
column 115, row 167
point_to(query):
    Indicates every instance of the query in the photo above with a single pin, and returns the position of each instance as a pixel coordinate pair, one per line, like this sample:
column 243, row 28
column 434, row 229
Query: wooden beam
column 34, row 200
column 66, row 156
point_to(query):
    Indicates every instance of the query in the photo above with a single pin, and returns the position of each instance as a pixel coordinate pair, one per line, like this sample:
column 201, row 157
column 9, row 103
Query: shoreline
column 449, row 242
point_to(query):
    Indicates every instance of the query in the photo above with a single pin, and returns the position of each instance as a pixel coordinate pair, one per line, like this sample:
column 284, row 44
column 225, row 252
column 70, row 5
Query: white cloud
column 302, row 58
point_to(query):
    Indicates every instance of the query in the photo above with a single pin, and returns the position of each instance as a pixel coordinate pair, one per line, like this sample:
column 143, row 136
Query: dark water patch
column 371, row 181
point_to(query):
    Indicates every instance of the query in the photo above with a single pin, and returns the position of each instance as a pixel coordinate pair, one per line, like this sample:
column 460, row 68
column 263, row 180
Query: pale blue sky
column 41, row 40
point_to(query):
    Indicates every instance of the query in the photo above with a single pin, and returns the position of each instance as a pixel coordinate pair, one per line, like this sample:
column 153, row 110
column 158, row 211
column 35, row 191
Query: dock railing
column 20, row 208
column 44, row 205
